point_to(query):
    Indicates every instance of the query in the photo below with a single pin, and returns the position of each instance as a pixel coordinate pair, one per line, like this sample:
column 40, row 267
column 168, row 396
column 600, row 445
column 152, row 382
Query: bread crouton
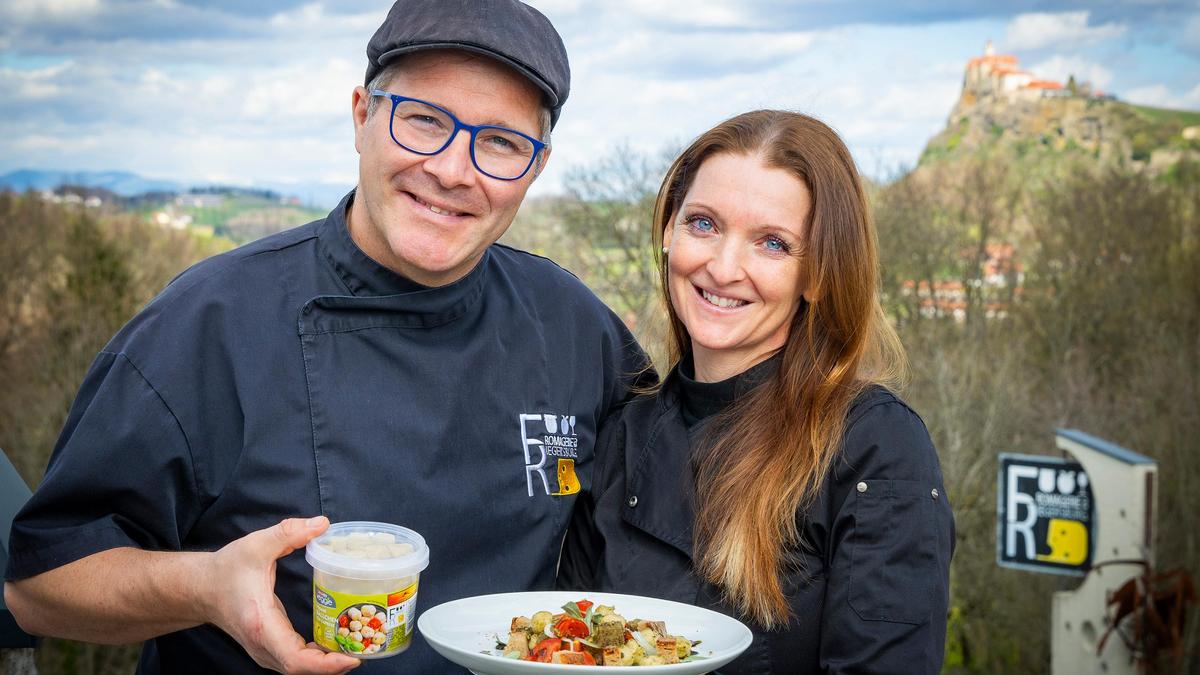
column 666, row 649
column 659, row 627
column 610, row 634
column 612, row 656
column 518, row 643
column 570, row 658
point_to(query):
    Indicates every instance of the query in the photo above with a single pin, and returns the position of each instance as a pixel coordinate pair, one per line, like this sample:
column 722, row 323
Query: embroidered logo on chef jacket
column 551, row 446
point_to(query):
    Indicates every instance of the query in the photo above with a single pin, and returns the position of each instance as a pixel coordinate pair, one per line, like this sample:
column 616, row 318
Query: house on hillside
column 1002, row 276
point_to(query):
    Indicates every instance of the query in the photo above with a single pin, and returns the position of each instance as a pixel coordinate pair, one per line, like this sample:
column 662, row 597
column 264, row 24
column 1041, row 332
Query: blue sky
column 252, row 93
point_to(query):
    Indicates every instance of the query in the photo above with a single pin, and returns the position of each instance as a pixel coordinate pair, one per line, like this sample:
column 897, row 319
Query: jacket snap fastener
column 934, row 493
column 632, row 501
column 862, row 486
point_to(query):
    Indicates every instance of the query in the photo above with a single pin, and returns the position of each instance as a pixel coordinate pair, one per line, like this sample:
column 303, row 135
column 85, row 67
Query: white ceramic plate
column 465, row 631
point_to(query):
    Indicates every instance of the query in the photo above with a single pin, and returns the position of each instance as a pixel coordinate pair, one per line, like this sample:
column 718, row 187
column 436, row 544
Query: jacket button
column 632, row 501
column 934, row 492
column 862, row 486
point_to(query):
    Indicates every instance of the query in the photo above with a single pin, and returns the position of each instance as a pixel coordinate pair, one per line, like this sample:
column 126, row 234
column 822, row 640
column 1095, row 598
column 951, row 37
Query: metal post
column 1123, row 488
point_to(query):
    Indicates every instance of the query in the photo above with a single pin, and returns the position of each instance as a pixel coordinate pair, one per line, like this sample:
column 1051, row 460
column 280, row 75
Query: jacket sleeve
column 890, row 544
column 583, row 547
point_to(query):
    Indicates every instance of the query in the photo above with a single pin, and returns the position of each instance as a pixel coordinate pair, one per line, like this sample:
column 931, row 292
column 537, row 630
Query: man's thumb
column 294, row 533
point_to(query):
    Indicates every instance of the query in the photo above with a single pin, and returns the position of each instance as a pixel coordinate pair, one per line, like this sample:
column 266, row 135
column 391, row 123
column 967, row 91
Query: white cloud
column 43, row 9
column 709, row 14
column 315, row 93
column 313, row 19
column 1159, row 96
column 34, row 84
column 1061, row 31
column 42, row 143
column 1191, row 35
column 696, row 54
column 1061, row 67
column 556, row 6
column 1153, row 95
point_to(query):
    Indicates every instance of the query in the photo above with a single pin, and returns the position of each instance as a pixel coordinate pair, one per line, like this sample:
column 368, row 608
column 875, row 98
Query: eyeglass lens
column 425, row 129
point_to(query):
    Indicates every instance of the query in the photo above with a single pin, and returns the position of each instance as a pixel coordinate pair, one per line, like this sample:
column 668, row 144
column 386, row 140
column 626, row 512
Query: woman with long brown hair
column 773, row 475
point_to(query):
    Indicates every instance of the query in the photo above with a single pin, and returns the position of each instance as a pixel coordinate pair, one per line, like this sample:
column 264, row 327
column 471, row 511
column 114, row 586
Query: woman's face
column 734, row 269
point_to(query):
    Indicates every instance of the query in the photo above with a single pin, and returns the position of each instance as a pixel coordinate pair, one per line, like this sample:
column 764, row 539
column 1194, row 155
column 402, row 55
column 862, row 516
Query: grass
column 1182, row 118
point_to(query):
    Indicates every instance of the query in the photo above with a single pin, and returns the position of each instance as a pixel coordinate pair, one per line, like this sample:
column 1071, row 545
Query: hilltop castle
column 1000, row 76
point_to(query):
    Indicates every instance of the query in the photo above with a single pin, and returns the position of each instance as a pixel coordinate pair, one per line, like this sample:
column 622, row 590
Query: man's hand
column 248, row 609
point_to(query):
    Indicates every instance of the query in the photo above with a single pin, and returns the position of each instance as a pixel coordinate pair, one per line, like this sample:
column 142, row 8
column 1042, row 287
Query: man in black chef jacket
column 390, row 363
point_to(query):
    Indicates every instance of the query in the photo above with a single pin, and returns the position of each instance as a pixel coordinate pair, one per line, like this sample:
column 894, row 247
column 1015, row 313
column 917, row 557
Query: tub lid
column 364, row 549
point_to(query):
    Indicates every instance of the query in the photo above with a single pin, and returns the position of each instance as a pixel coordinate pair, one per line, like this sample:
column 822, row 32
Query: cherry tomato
column 584, row 605
column 343, row 621
column 375, row 623
column 571, row 627
column 545, row 649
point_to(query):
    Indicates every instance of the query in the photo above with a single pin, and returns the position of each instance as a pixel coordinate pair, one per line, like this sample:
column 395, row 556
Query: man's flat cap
column 510, row 31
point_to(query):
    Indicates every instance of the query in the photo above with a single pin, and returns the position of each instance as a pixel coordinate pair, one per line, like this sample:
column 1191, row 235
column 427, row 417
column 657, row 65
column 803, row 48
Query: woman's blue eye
column 702, row 224
column 775, row 245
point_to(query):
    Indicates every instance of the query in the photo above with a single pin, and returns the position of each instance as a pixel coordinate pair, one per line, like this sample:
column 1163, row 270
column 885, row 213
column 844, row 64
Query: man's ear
column 542, row 160
column 358, row 110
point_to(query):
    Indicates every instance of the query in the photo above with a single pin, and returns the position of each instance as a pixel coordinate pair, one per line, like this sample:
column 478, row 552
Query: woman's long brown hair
column 764, row 459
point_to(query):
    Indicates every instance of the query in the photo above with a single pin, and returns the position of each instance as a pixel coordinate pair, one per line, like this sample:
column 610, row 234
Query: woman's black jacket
column 871, row 589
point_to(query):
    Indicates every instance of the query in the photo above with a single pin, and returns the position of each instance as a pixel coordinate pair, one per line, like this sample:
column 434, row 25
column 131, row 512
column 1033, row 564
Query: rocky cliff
column 993, row 114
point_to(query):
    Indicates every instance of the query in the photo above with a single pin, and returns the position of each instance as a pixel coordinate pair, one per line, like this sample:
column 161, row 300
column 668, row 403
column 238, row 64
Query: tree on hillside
column 601, row 231
column 68, row 280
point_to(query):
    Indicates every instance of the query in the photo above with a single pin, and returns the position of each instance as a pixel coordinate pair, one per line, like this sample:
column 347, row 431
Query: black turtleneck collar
column 700, row 400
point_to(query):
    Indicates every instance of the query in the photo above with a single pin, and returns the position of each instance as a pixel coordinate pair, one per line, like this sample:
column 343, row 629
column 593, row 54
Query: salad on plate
column 587, row 634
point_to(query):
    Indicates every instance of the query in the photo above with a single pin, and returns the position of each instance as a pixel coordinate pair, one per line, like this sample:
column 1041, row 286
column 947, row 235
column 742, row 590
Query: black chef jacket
column 871, row 588
column 296, row 376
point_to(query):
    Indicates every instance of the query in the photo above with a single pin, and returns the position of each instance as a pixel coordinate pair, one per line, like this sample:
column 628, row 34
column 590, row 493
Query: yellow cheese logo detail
column 1068, row 540
column 568, row 482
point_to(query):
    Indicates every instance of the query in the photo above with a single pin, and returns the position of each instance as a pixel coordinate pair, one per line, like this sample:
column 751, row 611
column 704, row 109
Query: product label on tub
column 364, row 625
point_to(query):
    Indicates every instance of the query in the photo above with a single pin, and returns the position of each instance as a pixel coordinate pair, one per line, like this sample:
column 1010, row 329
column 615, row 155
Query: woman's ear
column 666, row 240
column 810, row 293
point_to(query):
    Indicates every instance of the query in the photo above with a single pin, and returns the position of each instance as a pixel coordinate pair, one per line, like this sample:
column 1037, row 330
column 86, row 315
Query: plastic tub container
column 365, row 587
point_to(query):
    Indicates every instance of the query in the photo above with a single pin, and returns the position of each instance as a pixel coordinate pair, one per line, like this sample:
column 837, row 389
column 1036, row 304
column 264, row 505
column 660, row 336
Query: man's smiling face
column 430, row 218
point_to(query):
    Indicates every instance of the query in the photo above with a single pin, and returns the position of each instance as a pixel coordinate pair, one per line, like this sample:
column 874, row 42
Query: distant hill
column 126, row 184
column 1006, row 111
column 122, row 183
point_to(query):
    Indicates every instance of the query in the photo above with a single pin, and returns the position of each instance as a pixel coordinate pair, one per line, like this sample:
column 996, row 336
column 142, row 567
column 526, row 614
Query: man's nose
column 453, row 166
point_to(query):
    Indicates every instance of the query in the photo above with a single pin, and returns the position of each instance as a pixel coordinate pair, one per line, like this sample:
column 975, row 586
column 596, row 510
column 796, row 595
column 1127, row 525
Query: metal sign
column 1045, row 515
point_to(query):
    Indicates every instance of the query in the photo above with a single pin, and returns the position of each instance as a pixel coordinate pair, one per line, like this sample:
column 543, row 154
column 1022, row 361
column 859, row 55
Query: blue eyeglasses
column 427, row 129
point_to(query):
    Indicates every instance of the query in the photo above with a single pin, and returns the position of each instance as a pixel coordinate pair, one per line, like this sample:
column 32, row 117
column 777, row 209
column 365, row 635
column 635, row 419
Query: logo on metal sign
column 1045, row 514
